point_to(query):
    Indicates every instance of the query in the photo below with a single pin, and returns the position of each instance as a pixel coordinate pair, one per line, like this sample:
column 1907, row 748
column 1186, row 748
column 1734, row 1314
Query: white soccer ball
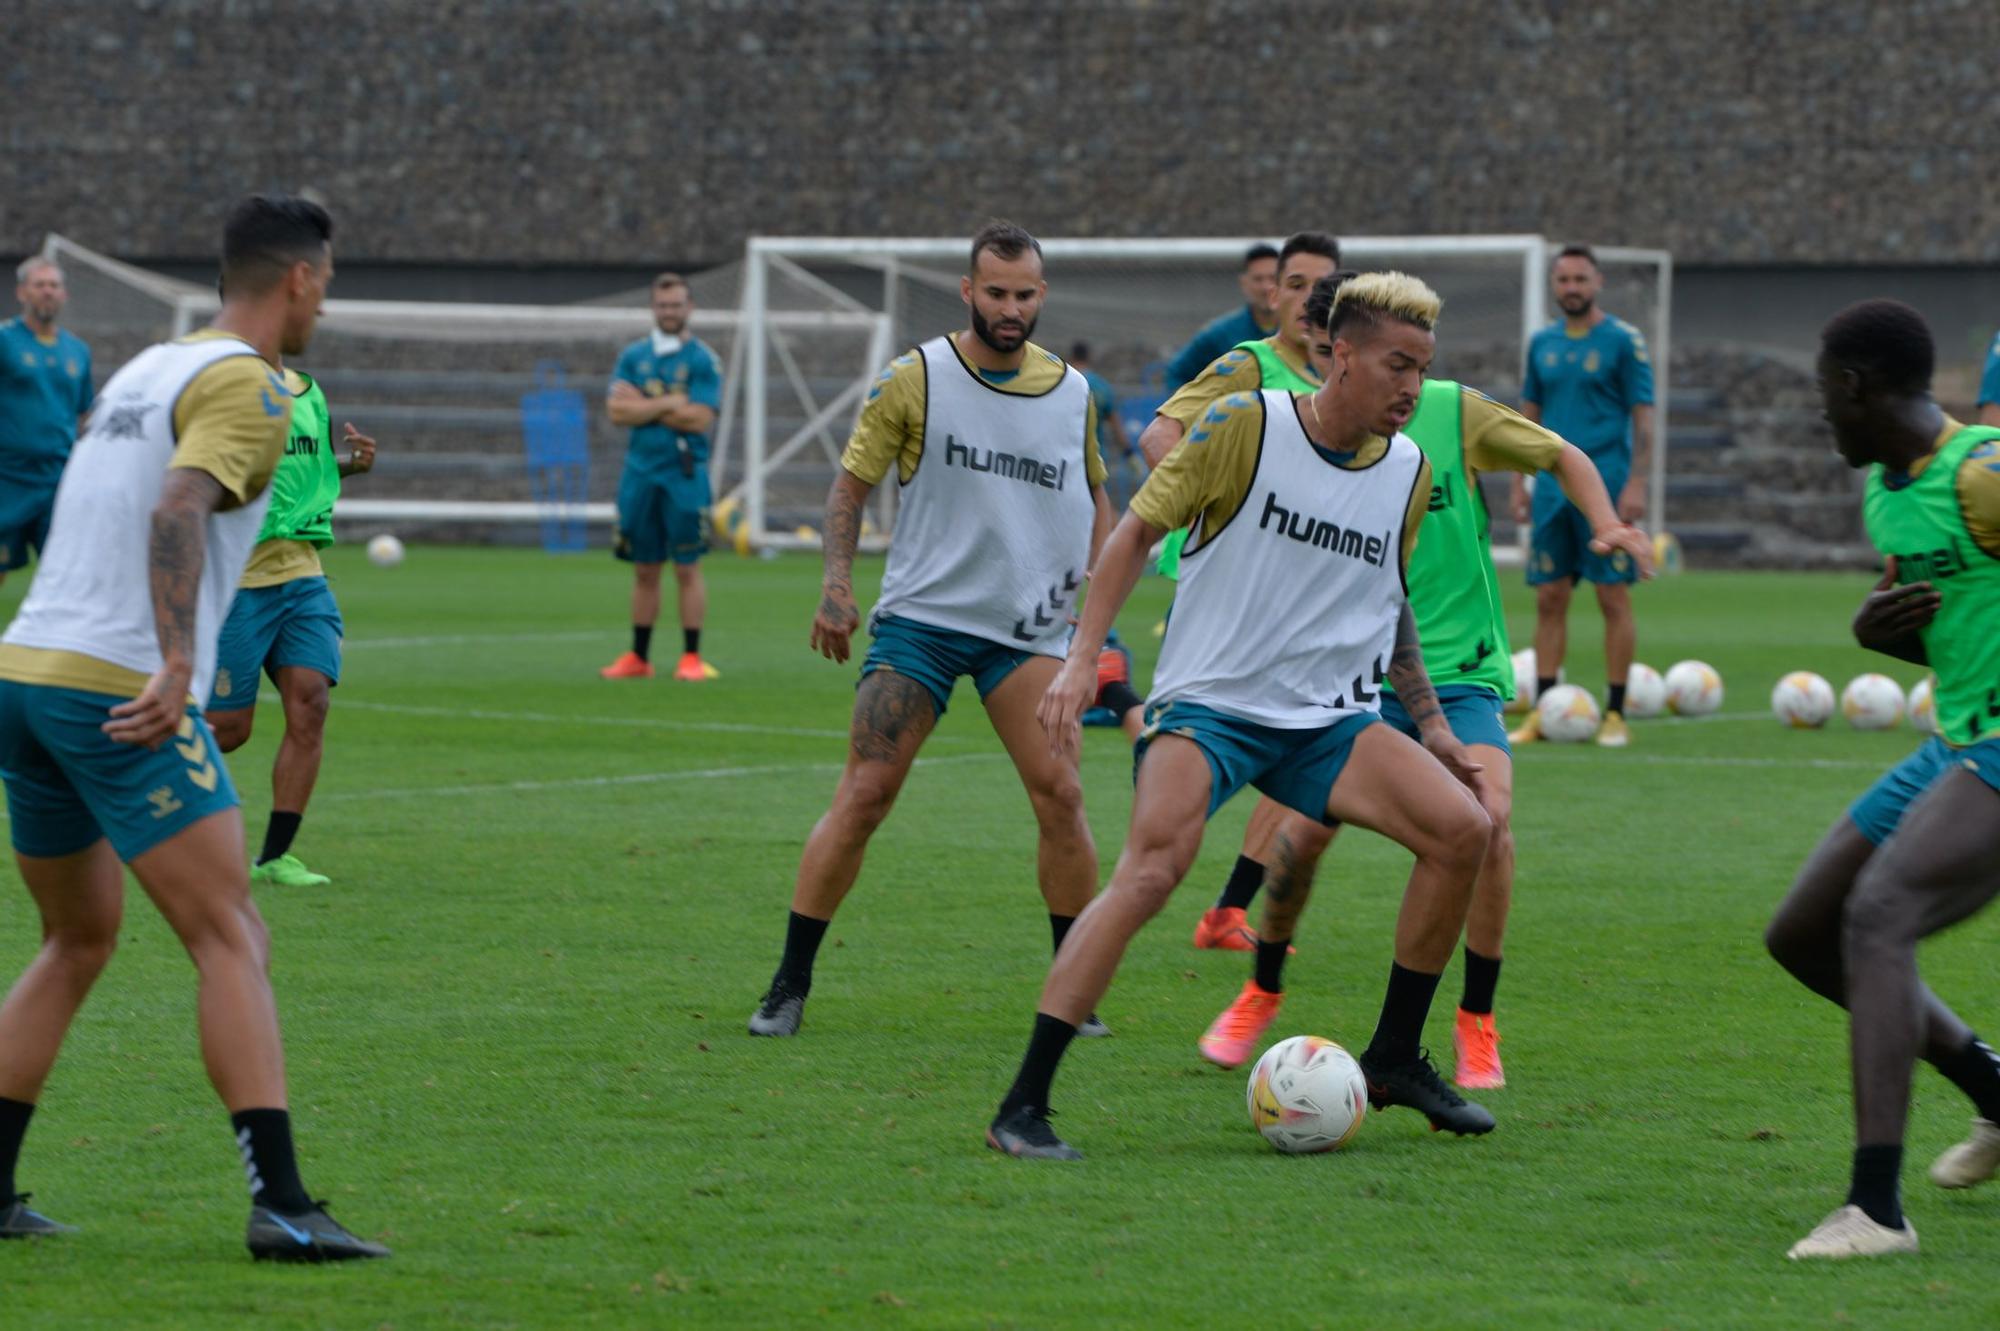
column 1645, row 693
column 1872, row 702
column 385, row 551
column 1307, row 1094
column 1693, row 688
column 1524, row 681
column 1568, row 714
column 1802, row 700
column 1923, row 706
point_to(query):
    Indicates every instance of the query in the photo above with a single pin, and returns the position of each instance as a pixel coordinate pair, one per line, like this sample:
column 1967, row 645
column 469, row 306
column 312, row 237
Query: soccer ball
column 1568, row 714
column 1306, row 1095
column 1645, row 693
column 1524, row 681
column 1802, row 700
column 385, row 551
column 1923, row 706
column 729, row 527
column 1693, row 688
column 1872, row 702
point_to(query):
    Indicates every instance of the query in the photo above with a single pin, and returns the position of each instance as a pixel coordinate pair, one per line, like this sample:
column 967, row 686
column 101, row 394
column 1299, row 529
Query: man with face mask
column 44, row 393
column 993, row 443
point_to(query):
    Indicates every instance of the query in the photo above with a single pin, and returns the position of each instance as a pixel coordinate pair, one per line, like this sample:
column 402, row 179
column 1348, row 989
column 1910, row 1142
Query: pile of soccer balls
column 1569, row 714
column 1804, row 701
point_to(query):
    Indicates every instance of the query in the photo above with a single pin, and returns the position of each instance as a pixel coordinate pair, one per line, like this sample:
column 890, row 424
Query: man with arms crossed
column 1290, row 617
column 1921, row 850
column 1002, row 509
column 44, row 394
column 103, row 758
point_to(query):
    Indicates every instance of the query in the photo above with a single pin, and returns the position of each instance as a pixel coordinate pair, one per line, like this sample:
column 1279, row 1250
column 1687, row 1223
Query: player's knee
column 646, row 575
column 1148, row 880
column 1464, row 838
column 84, row 950
column 1058, row 802
column 1500, row 848
column 1878, row 913
column 685, row 575
column 231, row 728
column 865, row 800
column 305, row 713
column 1552, row 598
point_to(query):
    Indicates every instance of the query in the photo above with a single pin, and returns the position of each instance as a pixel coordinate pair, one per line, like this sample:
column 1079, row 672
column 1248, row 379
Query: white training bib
column 993, row 530
column 1286, row 615
column 93, row 591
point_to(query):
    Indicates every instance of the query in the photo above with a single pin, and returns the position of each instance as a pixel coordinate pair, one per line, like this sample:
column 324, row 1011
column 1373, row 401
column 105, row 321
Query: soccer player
column 1258, row 282
column 284, row 623
column 1989, row 385
column 1589, row 381
column 105, row 761
column 1290, row 616
column 1921, row 850
column 993, row 442
column 45, row 393
column 1455, row 596
column 666, row 389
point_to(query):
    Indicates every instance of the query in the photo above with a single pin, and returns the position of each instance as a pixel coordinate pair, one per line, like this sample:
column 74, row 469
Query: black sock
column 1038, row 1067
column 1120, row 697
column 1543, row 683
column 278, row 834
column 1404, row 1007
column 14, row 1116
column 265, row 1138
column 1876, row 1188
column 690, row 640
column 803, row 935
column 642, row 641
column 1614, row 698
column 1271, row 964
column 1482, row 976
column 1059, row 927
column 1244, row 880
column 1975, row 1069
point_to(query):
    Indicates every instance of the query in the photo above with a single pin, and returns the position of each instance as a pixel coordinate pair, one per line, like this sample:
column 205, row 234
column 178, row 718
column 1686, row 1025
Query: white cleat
column 1849, row 1232
column 1973, row 1160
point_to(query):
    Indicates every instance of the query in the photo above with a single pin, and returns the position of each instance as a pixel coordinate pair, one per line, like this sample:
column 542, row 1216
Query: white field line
column 1545, row 752
column 565, row 719
column 479, row 639
column 627, row 779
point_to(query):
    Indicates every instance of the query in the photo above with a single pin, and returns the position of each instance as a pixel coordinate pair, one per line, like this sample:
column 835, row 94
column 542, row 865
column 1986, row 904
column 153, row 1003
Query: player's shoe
column 1612, row 732
column 1093, row 1028
column 309, row 1236
column 288, row 870
column 1528, row 731
column 629, row 666
column 1973, row 1160
column 1114, row 666
column 1025, row 1134
column 17, row 1221
column 779, row 1013
column 1849, row 1232
column 1415, row 1084
column 693, row 670
column 1475, row 1045
column 1234, row 1033
column 1226, row 928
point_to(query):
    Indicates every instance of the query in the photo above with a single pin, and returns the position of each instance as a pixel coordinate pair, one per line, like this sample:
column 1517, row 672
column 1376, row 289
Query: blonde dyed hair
column 1372, row 297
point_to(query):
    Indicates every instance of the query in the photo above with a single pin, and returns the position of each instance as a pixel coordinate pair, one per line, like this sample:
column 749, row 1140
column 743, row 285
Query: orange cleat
column 693, row 670
column 628, row 666
column 1226, row 928
column 1114, row 666
column 1232, row 1036
column 1477, row 1045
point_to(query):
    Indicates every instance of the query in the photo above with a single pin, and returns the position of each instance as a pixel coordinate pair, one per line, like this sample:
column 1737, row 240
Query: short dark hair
column 1584, row 252
column 1004, row 239
column 266, row 234
column 666, row 281
column 1259, row 251
column 1079, row 351
column 1319, row 301
column 1886, row 341
column 1309, row 242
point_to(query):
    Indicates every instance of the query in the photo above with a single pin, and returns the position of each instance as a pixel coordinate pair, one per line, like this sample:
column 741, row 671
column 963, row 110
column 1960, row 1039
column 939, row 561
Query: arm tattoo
column 1406, row 672
column 178, row 545
column 843, row 533
column 888, row 707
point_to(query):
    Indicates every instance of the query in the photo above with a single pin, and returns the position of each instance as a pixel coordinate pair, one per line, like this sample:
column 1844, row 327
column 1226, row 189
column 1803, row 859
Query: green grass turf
column 516, row 1020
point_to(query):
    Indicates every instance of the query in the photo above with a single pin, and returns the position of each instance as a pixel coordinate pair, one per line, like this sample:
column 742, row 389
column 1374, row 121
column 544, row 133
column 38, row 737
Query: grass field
column 518, row 1056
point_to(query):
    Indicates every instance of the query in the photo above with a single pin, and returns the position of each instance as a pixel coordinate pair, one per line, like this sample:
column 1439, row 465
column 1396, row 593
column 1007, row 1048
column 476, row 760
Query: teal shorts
column 1878, row 812
column 661, row 520
column 1559, row 542
column 295, row 623
column 936, row 657
column 68, row 783
column 1474, row 713
column 25, row 511
column 1297, row 768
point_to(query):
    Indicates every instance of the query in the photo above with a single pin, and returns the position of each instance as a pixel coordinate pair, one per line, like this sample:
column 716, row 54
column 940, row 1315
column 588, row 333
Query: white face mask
column 665, row 344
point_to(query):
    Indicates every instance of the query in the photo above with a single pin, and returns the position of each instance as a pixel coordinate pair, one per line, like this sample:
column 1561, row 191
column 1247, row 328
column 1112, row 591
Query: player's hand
column 1062, row 706
column 1632, row 499
column 1517, row 500
column 1890, row 613
column 1628, row 540
column 834, row 623
column 1457, row 759
column 154, row 717
column 362, row 456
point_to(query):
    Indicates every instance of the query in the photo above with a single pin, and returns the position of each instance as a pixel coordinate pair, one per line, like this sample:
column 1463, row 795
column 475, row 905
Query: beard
column 1005, row 342
column 1576, row 305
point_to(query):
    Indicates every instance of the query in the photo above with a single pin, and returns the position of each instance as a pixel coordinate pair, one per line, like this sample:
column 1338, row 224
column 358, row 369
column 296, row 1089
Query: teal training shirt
column 44, row 387
column 690, row 368
column 1587, row 386
column 1107, row 402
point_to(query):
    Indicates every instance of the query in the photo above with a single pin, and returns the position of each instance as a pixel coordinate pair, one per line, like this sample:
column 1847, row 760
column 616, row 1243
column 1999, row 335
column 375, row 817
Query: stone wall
column 604, row 131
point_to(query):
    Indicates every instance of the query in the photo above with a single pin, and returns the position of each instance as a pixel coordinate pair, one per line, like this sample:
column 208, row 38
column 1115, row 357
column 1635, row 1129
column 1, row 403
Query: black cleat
column 1415, row 1083
column 1025, row 1134
column 309, row 1236
column 1093, row 1028
column 18, row 1222
column 779, row 1013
